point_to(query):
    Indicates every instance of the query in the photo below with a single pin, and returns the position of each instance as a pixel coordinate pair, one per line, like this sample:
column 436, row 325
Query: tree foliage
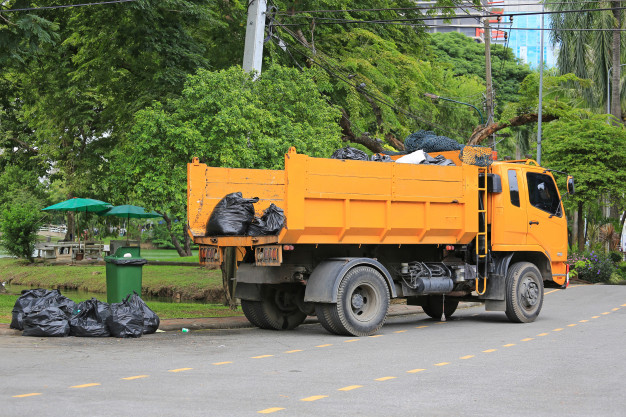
column 19, row 223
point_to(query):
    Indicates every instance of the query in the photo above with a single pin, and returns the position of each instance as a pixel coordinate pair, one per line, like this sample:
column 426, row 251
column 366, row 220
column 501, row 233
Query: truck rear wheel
column 524, row 292
column 436, row 306
column 362, row 304
column 253, row 312
column 278, row 309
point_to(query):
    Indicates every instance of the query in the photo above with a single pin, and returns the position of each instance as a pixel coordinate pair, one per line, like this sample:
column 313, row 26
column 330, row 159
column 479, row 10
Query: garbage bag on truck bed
column 126, row 319
column 350, row 153
column 46, row 321
column 270, row 223
column 231, row 216
column 32, row 299
column 151, row 320
column 91, row 319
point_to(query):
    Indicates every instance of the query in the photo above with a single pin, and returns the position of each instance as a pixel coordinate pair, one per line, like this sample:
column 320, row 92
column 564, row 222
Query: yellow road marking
column 222, row 363
column 314, row 398
column 414, row 371
column 351, row 340
column 606, row 312
column 376, row 335
column 623, row 305
column 385, row 378
column 615, row 309
column 261, row 356
column 326, row 345
column 180, row 370
column 583, row 321
column 528, row 339
column 270, row 410
column 442, row 322
column 550, row 292
column 542, row 334
column 442, row 364
column 421, row 327
column 557, row 330
column 350, row 387
column 294, row 351
column 509, row 345
column 86, row 385
column 572, row 325
column 489, row 350
column 466, row 357
column 595, row 317
column 32, row 394
column 400, row 331
column 130, row 378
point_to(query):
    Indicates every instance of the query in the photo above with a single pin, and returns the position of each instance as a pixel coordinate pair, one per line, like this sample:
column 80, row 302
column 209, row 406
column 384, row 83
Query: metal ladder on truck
column 482, row 244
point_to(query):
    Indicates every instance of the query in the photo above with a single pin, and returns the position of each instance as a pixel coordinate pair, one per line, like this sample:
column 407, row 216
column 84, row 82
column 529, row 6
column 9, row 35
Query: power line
column 334, row 21
column 27, row 9
column 517, row 28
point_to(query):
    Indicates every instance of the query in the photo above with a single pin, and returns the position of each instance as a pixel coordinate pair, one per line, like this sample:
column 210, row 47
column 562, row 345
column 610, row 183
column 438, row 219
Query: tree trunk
column 175, row 242
column 187, row 240
column 581, row 227
column 70, row 234
column 483, row 132
column 229, row 270
column 616, row 108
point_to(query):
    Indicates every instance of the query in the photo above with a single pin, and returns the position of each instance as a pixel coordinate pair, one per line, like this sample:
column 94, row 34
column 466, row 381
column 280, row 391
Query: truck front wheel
column 524, row 292
column 362, row 304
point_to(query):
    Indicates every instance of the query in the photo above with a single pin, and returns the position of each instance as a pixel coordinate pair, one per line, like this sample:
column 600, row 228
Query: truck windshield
column 542, row 193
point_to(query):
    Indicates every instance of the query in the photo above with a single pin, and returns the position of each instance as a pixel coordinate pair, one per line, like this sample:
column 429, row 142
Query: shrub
column 616, row 256
column 594, row 267
column 621, row 268
column 19, row 224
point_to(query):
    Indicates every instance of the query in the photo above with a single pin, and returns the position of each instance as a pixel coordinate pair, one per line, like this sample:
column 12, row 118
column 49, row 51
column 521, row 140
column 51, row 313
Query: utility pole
column 488, row 81
column 255, row 33
column 540, row 110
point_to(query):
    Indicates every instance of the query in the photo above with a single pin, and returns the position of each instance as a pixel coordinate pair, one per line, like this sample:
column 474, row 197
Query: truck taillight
column 567, row 275
column 269, row 255
column 210, row 255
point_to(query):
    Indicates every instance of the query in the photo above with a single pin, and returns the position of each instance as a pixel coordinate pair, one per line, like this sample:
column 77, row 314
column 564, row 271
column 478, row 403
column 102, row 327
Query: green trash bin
column 123, row 273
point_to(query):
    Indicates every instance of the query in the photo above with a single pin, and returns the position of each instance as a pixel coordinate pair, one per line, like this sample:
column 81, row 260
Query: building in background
column 516, row 35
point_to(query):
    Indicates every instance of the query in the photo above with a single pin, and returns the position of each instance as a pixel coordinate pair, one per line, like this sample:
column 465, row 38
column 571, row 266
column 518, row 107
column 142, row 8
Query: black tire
column 524, row 292
column 362, row 304
column 436, row 305
column 252, row 310
column 278, row 309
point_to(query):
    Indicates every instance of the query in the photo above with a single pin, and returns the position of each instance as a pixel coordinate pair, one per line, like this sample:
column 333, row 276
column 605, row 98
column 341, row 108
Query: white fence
column 53, row 228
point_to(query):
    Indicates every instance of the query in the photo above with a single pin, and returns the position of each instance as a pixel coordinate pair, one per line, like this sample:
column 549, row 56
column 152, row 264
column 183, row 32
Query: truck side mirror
column 570, row 185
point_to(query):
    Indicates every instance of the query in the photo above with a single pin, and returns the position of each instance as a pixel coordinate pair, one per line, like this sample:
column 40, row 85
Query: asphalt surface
column 571, row 361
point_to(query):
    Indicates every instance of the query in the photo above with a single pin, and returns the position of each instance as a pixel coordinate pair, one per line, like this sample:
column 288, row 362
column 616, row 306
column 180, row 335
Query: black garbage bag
column 270, row 223
column 46, row 321
column 150, row 319
column 350, row 153
column 126, row 319
column 379, row 157
column 231, row 216
column 31, row 299
column 438, row 160
column 91, row 320
column 428, row 141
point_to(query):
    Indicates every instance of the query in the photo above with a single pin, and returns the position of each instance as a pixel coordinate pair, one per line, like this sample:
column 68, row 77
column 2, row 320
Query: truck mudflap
column 324, row 282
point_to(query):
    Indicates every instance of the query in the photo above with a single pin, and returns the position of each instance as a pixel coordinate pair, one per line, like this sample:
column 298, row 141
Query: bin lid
column 125, row 261
column 127, row 252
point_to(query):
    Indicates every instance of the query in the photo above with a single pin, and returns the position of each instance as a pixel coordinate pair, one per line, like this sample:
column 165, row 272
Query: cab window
column 542, row 193
column 513, row 187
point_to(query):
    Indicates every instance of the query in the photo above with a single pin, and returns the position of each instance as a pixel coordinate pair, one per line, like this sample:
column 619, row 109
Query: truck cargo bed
column 329, row 201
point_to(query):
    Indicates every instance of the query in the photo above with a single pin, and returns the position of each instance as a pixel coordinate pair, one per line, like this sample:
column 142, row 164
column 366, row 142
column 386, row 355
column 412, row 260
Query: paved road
column 571, row 361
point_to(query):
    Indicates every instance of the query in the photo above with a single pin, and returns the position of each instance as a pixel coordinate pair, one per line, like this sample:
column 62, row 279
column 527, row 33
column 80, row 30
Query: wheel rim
column 529, row 293
column 363, row 302
column 284, row 301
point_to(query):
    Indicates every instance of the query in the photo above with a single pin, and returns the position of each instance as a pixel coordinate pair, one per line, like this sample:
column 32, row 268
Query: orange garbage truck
column 359, row 233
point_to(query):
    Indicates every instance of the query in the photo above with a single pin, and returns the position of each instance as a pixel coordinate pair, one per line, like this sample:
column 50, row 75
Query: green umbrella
column 79, row 205
column 128, row 212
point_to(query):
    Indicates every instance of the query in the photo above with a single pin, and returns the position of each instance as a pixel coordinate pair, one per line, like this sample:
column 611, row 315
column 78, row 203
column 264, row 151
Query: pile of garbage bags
column 47, row 313
column 234, row 215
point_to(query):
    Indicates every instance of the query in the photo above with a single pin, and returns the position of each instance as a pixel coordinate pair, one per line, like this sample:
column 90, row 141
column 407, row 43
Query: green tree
column 589, row 54
column 594, row 152
column 19, row 223
column 226, row 119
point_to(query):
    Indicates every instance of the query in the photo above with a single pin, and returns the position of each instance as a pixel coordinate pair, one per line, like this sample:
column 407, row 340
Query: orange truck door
column 547, row 225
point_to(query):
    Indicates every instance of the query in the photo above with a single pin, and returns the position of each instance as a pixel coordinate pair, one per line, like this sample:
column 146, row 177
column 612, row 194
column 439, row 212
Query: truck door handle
column 533, row 222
